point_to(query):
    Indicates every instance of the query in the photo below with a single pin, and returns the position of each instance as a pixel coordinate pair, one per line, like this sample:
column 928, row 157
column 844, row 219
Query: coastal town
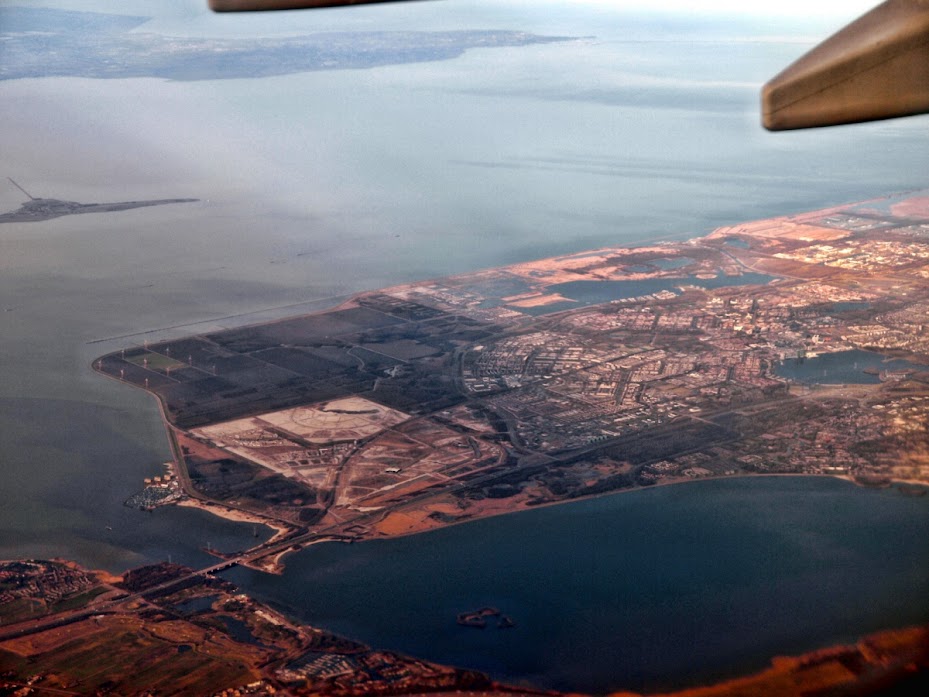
column 794, row 345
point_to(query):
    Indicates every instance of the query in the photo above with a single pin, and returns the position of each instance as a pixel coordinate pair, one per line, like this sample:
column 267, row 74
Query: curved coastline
column 575, row 571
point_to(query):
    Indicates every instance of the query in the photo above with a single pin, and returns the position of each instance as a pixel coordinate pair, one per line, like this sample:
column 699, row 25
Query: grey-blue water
column 604, row 291
column 316, row 185
column 672, row 263
column 736, row 242
column 849, row 305
column 738, row 570
column 846, row 367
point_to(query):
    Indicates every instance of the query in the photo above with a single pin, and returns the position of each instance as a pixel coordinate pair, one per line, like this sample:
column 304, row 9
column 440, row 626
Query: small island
column 478, row 618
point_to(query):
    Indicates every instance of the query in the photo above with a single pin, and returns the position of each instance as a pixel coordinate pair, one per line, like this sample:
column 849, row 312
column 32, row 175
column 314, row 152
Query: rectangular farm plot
column 301, row 362
column 402, row 349
column 302, row 330
column 155, row 361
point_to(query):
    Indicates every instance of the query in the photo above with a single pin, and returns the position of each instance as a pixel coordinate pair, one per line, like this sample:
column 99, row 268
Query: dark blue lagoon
column 649, row 589
column 844, row 367
column 595, row 292
column 672, row 263
column 849, row 306
column 736, row 242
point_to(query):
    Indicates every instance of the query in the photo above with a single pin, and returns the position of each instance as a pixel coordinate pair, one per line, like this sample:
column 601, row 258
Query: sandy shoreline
column 234, row 514
column 237, row 515
column 845, row 477
column 275, row 563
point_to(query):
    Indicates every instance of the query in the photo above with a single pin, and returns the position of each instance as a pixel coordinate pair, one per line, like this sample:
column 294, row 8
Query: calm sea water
column 317, row 185
column 736, row 570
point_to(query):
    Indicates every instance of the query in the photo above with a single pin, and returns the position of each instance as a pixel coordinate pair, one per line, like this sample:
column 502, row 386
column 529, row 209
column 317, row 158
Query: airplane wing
column 258, row 5
column 875, row 68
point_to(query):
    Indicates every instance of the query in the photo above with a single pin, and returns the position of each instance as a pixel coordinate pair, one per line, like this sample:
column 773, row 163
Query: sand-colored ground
column 914, row 207
column 415, row 519
column 470, row 419
column 280, row 529
column 540, row 300
column 565, row 268
column 781, row 229
column 339, row 420
column 351, row 418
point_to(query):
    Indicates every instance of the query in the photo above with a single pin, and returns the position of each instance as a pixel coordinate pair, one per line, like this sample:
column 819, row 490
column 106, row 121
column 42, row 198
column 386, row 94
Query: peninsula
column 794, row 345
column 38, row 209
column 433, row 403
column 106, row 45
